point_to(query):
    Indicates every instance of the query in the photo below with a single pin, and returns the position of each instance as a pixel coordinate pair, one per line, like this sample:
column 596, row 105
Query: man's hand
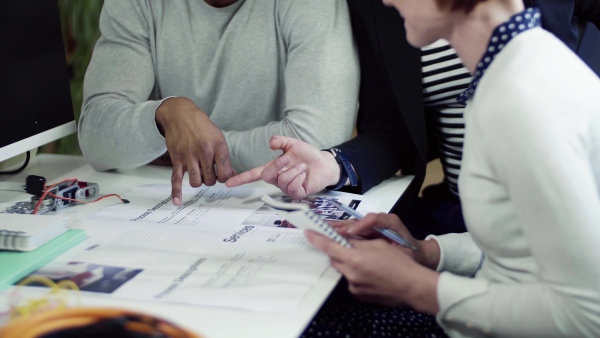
column 301, row 170
column 381, row 273
column 195, row 145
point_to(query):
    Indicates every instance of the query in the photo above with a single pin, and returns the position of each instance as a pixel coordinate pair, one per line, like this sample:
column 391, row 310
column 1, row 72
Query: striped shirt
column 444, row 79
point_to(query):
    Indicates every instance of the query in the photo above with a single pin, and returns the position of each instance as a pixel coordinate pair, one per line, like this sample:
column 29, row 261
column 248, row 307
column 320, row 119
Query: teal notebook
column 15, row 265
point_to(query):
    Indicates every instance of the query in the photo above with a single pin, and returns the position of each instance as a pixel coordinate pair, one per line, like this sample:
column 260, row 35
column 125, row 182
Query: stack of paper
column 28, row 232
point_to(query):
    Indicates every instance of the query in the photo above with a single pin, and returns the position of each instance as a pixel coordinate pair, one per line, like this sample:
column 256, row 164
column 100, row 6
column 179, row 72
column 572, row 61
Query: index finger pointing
column 176, row 182
column 249, row 176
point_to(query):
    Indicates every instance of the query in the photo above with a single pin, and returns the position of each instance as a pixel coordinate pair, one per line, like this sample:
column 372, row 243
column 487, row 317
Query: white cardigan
column 529, row 187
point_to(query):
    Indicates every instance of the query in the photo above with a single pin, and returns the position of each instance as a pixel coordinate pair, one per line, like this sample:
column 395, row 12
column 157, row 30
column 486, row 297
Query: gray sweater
column 258, row 68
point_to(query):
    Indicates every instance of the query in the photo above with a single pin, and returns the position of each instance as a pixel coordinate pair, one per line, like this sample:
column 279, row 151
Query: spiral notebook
column 24, row 232
column 301, row 217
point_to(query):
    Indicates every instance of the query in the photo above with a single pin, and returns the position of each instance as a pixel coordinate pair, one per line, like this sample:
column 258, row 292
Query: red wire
column 74, row 180
column 86, row 202
column 47, row 191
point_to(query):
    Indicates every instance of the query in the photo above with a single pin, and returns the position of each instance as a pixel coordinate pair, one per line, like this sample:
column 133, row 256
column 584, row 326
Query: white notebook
column 25, row 232
column 301, row 217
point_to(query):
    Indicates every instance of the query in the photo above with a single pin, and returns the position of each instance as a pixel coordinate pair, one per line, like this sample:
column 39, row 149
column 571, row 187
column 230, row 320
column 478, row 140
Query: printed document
column 221, row 247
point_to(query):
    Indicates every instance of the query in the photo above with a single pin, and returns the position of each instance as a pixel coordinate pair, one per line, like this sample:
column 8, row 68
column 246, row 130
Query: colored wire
column 47, row 192
column 43, row 316
column 57, row 320
column 88, row 202
column 55, row 298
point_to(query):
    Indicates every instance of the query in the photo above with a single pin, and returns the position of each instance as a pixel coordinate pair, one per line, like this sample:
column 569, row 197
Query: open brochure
column 219, row 248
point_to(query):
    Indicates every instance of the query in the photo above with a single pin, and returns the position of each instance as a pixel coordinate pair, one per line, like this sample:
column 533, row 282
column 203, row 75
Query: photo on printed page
column 320, row 205
column 87, row 276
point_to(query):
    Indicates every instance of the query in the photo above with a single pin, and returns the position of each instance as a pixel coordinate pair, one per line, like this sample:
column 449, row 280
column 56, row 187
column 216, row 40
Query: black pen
column 387, row 233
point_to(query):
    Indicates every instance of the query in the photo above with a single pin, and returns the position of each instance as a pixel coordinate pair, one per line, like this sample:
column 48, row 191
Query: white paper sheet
column 219, row 248
column 203, row 206
column 255, row 268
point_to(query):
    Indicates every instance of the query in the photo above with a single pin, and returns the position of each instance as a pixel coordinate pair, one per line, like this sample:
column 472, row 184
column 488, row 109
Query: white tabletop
column 208, row 321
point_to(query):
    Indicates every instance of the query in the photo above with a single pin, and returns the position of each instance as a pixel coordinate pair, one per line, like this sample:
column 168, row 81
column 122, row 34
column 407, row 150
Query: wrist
column 168, row 107
column 428, row 253
column 346, row 173
column 333, row 168
column 422, row 295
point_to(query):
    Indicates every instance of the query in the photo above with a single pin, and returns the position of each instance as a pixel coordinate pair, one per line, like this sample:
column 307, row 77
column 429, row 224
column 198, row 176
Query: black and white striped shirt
column 444, row 79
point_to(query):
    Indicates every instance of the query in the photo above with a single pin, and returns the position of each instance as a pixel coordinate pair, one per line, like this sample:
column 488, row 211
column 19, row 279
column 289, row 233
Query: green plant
column 79, row 22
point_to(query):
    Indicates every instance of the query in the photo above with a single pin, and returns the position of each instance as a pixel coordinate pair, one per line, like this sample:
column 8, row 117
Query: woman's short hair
column 459, row 5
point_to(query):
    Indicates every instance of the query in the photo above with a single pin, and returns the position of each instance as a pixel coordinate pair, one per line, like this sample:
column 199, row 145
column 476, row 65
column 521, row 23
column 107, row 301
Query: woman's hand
column 381, row 273
column 427, row 253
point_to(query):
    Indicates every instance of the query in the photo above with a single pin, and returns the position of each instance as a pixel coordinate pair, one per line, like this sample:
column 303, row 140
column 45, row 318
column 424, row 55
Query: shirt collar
column 518, row 23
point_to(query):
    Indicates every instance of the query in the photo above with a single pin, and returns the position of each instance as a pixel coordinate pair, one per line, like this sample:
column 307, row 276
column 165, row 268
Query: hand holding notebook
column 299, row 215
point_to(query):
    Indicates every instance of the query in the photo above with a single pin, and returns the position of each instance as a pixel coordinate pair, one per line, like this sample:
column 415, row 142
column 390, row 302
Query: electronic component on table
column 299, row 215
column 55, row 197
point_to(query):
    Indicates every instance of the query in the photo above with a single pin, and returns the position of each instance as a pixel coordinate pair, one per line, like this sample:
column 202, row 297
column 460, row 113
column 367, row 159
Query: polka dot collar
column 518, row 23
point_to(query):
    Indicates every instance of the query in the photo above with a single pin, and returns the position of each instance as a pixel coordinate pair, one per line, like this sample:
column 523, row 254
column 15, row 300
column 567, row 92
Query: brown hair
column 458, row 5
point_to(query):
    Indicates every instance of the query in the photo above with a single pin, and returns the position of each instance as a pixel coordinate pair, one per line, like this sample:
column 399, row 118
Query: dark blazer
column 393, row 125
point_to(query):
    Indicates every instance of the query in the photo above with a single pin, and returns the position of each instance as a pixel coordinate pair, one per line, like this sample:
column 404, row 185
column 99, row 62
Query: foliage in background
column 79, row 21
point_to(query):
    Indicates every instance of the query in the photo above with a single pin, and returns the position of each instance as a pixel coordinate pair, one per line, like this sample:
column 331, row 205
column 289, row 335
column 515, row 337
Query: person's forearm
column 428, row 253
column 335, row 172
column 117, row 127
column 168, row 108
column 423, row 294
column 249, row 148
column 114, row 134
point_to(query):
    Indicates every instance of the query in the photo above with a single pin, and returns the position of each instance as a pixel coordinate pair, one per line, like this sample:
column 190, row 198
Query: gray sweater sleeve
column 321, row 82
column 117, row 128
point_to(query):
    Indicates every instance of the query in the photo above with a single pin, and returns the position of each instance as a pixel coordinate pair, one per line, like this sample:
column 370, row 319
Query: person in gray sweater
column 211, row 81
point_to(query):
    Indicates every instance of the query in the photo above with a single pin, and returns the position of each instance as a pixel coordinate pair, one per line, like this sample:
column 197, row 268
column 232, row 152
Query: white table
column 209, row 321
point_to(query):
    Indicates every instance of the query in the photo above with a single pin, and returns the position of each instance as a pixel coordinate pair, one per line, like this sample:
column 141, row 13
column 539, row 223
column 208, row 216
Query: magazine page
column 320, row 204
column 247, row 267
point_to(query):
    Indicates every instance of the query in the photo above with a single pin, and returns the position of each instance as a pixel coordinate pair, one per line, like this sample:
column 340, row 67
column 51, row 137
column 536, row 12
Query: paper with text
column 219, row 248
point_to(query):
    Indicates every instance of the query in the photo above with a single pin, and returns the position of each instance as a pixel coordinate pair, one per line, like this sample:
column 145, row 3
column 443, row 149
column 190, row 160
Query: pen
column 387, row 233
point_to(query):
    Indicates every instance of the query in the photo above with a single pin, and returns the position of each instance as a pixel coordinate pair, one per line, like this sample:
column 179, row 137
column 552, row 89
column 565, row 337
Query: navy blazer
column 394, row 129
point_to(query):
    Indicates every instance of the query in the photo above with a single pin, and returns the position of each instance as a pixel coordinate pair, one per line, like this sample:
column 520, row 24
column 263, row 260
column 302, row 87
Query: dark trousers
column 437, row 212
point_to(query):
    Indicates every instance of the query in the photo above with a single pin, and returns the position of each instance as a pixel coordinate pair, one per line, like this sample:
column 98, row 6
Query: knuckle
column 352, row 287
column 393, row 216
column 205, row 146
column 176, row 177
column 355, row 260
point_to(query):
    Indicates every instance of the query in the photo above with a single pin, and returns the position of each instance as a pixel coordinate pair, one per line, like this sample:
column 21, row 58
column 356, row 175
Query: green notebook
column 15, row 265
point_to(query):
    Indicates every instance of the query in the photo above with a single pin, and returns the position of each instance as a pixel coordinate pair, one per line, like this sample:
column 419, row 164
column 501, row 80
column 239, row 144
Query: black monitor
column 35, row 106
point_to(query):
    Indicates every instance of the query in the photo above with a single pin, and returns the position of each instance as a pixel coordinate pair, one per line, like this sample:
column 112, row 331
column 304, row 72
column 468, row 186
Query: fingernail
column 176, row 200
column 302, row 166
column 350, row 230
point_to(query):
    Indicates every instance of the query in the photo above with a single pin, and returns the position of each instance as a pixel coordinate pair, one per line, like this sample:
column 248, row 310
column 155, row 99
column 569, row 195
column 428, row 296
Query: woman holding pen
column 530, row 187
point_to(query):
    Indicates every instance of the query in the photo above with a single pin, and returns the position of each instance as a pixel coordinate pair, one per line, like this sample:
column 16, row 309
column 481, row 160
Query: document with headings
column 203, row 206
column 221, row 247
column 256, row 268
